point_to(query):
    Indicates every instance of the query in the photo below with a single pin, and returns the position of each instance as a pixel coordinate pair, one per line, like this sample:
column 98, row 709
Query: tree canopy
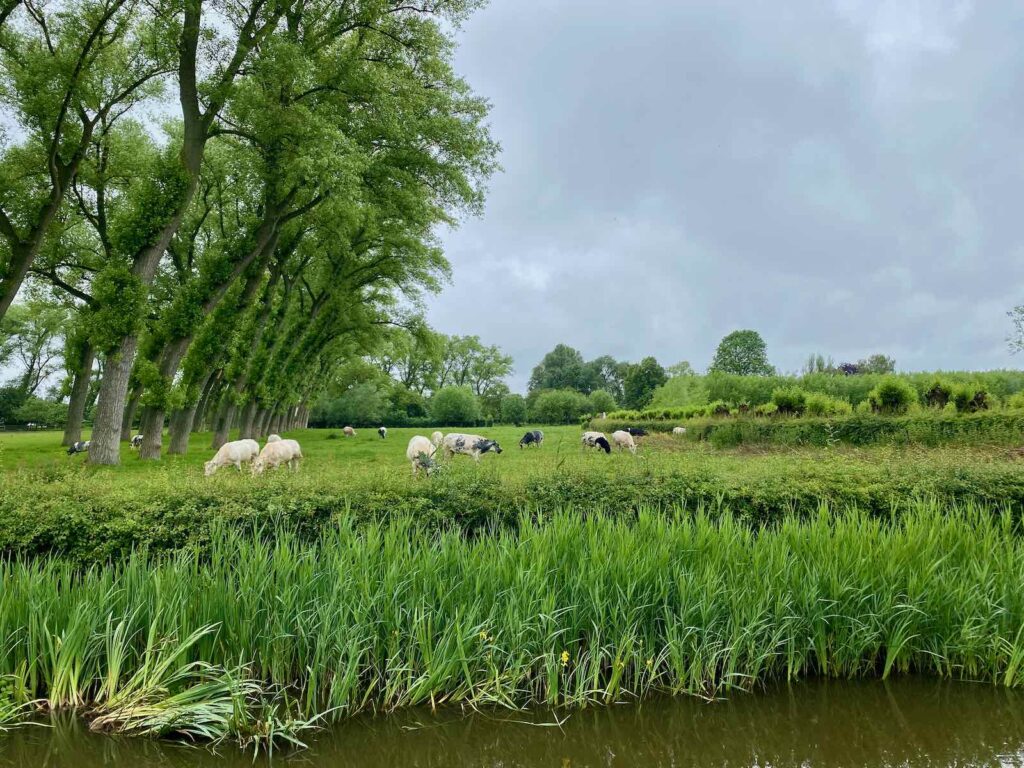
column 743, row 353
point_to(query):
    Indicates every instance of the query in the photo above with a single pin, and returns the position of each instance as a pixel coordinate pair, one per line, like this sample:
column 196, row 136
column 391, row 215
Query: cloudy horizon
column 838, row 176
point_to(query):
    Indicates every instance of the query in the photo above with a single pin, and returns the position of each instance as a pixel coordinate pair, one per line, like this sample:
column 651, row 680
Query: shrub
column 601, row 401
column 513, row 409
column 454, row 407
column 766, row 409
column 1015, row 401
column 559, row 406
column 823, row 405
column 789, row 400
column 938, row 394
column 892, row 397
column 971, row 398
column 38, row 411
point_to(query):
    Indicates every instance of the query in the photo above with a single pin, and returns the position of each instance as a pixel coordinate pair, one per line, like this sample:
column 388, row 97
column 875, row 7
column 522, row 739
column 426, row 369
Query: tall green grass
column 261, row 635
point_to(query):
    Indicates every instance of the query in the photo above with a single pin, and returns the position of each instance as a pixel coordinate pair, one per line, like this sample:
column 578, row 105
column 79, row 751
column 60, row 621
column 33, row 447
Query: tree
column 743, row 353
column 467, row 362
column 561, row 368
column 878, row 364
column 491, row 399
column 682, row 368
column 601, row 401
column 605, row 373
column 1016, row 338
column 454, row 407
column 30, row 337
column 559, row 406
column 641, row 381
column 513, row 410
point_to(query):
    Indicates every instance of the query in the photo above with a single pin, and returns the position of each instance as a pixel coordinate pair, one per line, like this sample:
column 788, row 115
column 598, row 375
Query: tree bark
column 225, row 420
column 246, row 427
column 105, row 446
column 79, row 396
column 128, row 417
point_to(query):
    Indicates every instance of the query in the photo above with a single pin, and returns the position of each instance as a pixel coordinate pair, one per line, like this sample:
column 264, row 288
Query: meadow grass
column 261, row 635
column 54, row 503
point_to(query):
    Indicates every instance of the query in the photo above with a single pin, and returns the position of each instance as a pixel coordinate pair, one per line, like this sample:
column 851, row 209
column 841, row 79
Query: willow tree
column 387, row 37
column 64, row 69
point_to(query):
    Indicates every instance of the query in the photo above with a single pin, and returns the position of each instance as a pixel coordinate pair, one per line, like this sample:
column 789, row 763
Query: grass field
column 51, row 502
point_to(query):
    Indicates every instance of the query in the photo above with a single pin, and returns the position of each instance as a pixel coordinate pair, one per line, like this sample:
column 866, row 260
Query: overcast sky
column 845, row 177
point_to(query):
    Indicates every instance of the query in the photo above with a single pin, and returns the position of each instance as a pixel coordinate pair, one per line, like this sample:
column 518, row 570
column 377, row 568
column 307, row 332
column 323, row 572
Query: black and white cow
column 596, row 440
column 82, row 446
column 637, row 431
column 137, row 441
column 468, row 445
column 534, row 437
column 383, row 432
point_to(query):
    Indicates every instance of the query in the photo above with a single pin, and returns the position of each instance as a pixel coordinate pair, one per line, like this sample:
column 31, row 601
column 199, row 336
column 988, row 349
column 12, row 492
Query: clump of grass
column 266, row 632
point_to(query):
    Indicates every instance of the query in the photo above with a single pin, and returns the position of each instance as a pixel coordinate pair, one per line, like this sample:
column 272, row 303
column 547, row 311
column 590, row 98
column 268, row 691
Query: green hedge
column 89, row 519
column 993, row 428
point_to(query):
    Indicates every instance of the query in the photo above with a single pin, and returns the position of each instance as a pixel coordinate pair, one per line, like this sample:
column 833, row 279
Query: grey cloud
column 842, row 177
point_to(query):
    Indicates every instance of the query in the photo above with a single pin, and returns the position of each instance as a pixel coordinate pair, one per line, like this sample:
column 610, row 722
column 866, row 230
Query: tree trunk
column 204, row 400
column 79, row 396
column 128, row 417
column 105, row 447
column 152, row 428
column 180, row 430
column 225, row 420
column 247, row 426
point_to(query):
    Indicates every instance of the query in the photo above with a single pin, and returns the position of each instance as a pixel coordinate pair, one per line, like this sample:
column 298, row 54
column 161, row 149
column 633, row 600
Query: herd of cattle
column 421, row 451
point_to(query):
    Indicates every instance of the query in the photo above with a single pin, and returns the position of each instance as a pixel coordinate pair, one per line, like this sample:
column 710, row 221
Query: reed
column 265, row 633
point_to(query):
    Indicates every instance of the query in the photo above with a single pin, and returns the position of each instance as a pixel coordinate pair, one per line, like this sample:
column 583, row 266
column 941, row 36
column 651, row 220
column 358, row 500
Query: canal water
column 911, row 722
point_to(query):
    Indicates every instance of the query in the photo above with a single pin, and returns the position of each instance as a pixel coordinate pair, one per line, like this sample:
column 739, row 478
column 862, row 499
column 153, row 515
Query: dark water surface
column 902, row 723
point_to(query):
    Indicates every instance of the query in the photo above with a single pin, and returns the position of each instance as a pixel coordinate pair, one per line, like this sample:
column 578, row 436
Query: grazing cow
column 623, row 439
column 137, row 441
column 535, row 437
column 436, row 439
column 273, row 438
column 79, row 447
column 349, row 432
column 468, row 445
column 277, row 453
column 637, row 431
column 596, row 440
column 421, row 453
column 678, row 430
column 236, row 453
column 383, row 432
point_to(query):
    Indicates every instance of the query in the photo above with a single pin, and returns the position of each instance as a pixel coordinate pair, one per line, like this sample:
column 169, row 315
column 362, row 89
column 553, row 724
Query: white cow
column 623, row 439
column 236, row 452
column 468, row 445
column 277, row 453
column 421, row 453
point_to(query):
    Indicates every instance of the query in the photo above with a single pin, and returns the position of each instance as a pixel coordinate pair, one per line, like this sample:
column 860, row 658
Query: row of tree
column 229, row 201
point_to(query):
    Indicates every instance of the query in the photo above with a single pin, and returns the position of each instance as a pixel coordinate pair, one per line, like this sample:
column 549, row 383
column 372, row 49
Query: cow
column 534, row 437
column 468, row 445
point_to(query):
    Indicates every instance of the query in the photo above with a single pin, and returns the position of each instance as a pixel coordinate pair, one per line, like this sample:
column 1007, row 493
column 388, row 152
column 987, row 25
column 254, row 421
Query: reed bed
column 265, row 634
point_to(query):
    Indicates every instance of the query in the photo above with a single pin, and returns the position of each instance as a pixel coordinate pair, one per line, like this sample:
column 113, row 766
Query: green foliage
column 560, row 406
column 681, row 391
column 743, row 353
column 601, row 401
column 789, row 401
column 971, row 398
column 641, row 381
column 513, row 409
column 938, row 394
column 561, row 368
column 455, row 407
column 564, row 610
column 892, row 396
column 35, row 410
column 818, row 404
column 11, row 399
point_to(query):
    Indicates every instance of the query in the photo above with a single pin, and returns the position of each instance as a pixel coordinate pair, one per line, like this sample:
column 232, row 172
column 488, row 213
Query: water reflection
column 905, row 723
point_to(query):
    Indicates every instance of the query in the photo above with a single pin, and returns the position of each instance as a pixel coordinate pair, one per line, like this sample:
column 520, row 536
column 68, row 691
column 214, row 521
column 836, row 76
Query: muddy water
column 904, row 723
